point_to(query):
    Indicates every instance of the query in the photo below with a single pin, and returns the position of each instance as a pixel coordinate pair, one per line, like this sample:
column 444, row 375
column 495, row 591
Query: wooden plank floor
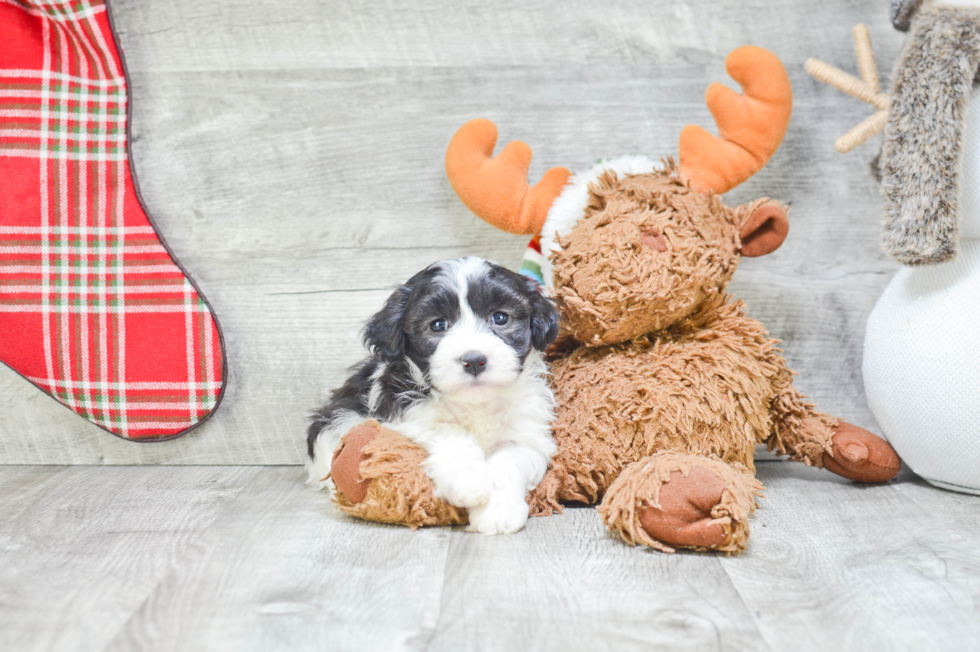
column 248, row 558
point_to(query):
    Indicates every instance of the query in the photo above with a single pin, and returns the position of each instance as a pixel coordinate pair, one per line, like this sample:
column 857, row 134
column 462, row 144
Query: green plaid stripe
column 82, row 122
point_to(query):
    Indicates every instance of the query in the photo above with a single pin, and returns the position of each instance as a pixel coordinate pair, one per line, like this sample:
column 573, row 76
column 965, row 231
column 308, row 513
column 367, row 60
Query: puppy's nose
column 474, row 362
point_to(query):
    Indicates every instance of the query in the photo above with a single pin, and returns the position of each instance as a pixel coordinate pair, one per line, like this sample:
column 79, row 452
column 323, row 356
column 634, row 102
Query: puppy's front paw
column 504, row 513
column 468, row 486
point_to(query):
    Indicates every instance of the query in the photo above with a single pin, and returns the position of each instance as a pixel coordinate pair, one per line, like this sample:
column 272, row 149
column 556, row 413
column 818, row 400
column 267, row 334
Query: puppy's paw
column 504, row 513
column 467, row 486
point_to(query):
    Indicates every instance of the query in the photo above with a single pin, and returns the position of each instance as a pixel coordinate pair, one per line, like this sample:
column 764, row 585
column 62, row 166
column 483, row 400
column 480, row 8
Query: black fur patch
column 533, row 319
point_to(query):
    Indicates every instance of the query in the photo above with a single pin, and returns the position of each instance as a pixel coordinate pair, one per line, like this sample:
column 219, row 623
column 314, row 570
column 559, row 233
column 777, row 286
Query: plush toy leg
column 379, row 477
column 677, row 500
column 823, row 441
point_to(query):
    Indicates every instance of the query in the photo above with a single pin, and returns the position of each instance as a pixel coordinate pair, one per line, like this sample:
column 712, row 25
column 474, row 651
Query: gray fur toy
column 920, row 158
column 923, row 117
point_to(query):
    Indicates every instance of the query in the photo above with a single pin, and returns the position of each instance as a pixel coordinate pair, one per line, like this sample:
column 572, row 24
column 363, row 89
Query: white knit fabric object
column 922, row 348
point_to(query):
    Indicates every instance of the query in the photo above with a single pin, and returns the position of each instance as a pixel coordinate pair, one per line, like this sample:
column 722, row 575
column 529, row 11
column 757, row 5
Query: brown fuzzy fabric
column 658, row 370
column 799, row 431
column 607, row 279
column 640, row 485
column 712, row 384
column 400, row 491
column 923, row 137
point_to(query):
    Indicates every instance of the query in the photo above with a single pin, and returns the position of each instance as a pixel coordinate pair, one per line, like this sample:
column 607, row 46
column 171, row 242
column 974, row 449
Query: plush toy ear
column 765, row 230
column 901, row 13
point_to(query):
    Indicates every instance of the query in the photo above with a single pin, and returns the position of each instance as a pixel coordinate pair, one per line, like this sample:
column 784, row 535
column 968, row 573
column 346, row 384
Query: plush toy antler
column 496, row 189
column 752, row 125
column 867, row 89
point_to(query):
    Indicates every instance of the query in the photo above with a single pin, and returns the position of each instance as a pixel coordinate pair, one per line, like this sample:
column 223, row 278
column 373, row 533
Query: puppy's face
column 467, row 324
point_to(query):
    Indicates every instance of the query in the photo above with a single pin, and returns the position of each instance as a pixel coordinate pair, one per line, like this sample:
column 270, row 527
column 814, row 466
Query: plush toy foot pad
column 861, row 456
column 94, row 310
column 683, row 517
column 379, row 477
column 345, row 470
column 681, row 500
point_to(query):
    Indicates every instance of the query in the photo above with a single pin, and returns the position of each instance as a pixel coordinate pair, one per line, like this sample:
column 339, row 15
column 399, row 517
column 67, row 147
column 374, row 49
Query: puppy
column 456, row 366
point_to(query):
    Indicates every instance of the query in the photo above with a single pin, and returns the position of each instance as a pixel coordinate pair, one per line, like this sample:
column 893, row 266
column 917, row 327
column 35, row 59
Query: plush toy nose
column 474, row 362
column 654, row 240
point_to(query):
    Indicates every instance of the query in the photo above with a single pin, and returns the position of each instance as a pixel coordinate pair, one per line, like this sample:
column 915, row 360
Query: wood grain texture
column 283, row 569
column 291, row 154
column 82, row 548
column 218, row 558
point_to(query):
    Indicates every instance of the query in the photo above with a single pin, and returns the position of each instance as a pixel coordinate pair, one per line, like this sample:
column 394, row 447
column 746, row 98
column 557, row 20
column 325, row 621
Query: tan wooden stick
column 862, row 132
column 850, row 85
column 867, row 89
column 866, row 57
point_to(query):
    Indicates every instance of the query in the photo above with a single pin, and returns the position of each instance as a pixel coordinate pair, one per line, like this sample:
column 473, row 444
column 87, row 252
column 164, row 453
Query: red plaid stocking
column 93, row 308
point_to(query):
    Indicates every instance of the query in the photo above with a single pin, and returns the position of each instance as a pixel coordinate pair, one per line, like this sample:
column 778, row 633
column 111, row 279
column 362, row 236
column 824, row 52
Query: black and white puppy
column 456, row 366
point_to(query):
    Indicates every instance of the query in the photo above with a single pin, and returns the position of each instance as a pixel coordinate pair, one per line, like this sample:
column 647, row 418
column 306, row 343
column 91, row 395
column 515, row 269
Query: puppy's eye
column 439, row 325
column 500, row 318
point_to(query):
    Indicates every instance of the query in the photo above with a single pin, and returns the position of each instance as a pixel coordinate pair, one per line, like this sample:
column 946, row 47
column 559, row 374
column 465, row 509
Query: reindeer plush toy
column 663, row 385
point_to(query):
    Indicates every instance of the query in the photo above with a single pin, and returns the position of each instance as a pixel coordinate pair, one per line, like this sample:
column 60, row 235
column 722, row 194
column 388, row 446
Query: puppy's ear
column 384, row 334
column 544, row 318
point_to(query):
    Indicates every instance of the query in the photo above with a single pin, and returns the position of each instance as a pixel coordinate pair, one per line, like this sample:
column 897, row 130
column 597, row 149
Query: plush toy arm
column 820, row 440
column 799, row 431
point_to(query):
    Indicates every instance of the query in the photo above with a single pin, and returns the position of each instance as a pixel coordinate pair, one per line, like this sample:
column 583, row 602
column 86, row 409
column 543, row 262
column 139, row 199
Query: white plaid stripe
column 45, row 209
column 61, row 11
column 71, row 156
column 80, row 291
column 130, row 426
column 65, row 217
column 57, row 113
column 30, row 93
column 61, row 77
column 86, row 251
column 36, row 133
column 110, row 310
column 156, row 405
column 112, row 385
column 73, row 230
column 191, row 358
column 133, row 269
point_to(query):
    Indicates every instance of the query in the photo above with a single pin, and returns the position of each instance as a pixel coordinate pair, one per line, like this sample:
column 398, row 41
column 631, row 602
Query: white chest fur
column 485, row 422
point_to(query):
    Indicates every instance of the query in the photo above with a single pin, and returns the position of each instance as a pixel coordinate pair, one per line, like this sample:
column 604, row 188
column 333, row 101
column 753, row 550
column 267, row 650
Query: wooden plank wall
column 291, row 153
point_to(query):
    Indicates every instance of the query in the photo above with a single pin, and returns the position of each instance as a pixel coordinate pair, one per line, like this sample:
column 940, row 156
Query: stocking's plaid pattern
column 93, row 310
